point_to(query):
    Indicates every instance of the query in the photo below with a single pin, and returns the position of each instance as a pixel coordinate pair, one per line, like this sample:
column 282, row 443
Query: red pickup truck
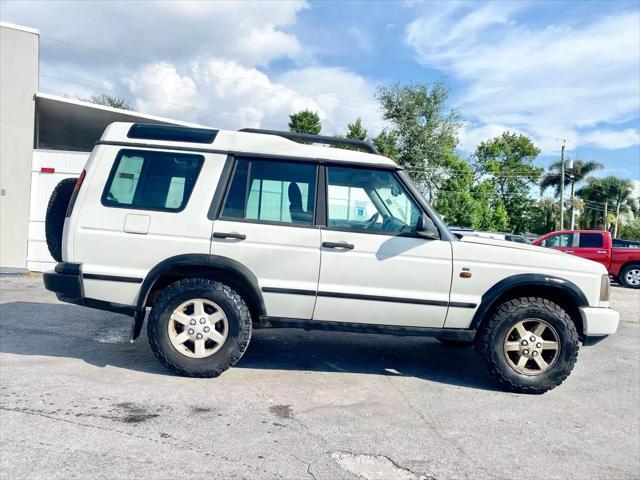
column 620, row 257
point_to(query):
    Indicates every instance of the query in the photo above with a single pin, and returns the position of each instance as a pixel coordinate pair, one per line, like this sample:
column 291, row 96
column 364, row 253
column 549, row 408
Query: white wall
column 66, row 164
column 18, row 85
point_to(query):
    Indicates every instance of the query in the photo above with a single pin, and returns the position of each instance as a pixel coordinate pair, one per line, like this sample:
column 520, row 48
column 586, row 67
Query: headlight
column 605, row 287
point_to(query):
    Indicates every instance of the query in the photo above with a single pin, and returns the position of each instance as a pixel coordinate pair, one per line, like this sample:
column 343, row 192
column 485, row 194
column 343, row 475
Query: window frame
column 599, row 235
column 114, row 168
column 229, row 180
column 321, row 201
column 399, row 179
column 573, row 234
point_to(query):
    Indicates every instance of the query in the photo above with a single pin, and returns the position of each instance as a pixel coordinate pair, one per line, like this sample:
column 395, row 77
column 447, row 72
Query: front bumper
column 598, row 322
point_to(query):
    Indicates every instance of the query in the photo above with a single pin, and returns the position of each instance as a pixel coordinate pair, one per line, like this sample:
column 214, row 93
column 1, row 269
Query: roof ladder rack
column 308, row 137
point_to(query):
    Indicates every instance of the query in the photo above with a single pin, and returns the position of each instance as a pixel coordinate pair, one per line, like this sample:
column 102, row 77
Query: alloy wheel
column 531, row 346
column 633, row 277
column 198, row 328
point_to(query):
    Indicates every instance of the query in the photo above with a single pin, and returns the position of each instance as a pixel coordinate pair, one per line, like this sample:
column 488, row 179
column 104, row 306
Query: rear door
column 266, row 223
column 592, row 247
column 374, row 268
column 140, row 209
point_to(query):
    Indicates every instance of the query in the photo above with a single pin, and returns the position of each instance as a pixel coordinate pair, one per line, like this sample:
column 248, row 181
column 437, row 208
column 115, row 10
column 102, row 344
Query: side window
column 271, row 191
column 369, row 200
column 590, row 240
column 560, row 240
column 151, row 180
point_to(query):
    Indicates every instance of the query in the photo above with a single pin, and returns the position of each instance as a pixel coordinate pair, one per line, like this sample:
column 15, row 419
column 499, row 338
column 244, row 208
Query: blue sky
column 550, row 69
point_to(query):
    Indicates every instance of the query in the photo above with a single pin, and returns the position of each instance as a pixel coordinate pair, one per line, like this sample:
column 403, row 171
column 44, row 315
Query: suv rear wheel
column 199, row 327
column 530, row 345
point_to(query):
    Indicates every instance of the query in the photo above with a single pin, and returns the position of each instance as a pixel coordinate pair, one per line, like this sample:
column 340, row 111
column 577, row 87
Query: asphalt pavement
column 77, row 400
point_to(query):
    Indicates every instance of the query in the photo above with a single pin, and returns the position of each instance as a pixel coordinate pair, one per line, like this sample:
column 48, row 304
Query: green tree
column 548, row 210
column 426, row 130
column 109, row 101
column 507, row 161
column 489, row 213
column 631, row 230
column 621, row 192
column 387, row 144
column 605, row 200
column 574, row 175
column 305, row 121
column 594, row 194
column 455, row 201
column 356, row 131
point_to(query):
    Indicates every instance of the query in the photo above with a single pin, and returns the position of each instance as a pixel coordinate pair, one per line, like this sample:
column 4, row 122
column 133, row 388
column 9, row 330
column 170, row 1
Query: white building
column 43, row 139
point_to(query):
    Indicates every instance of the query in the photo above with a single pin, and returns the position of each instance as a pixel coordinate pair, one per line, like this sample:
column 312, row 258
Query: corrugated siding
column 66, row 164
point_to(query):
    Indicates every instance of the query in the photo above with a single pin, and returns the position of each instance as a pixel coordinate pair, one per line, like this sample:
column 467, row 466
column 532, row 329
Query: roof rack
column 308, row 137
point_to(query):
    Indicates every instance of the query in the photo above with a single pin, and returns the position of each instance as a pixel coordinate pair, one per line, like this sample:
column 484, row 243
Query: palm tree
column 621, row 190
column 578, row 171
column 600, row 194
column 550, row 208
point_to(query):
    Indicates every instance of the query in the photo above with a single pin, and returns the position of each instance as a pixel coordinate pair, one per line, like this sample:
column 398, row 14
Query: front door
column 565, row 242
column 267, row 224
column 374, row 268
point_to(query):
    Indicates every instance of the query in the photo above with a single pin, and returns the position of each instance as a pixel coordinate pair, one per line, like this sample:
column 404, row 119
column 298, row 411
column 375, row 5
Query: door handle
column 344, row 245
column 568, row 251
column 601, row 251
column 235, row 236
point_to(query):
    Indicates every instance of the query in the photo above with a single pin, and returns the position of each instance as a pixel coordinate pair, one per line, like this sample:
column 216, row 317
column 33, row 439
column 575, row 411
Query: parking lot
column 79, row 401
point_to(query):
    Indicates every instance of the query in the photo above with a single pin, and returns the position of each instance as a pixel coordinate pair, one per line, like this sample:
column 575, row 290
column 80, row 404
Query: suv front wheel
column 530, row 344
column 199, row 327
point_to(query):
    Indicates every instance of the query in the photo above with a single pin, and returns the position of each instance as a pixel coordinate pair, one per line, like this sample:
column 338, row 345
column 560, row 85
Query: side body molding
column 527, row 280
column 202, row 263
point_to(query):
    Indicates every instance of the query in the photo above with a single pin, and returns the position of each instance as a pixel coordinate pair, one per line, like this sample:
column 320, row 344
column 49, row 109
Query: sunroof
column 172, row 133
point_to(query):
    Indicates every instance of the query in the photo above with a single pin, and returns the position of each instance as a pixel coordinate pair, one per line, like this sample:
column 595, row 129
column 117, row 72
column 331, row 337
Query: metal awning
column 73, row 125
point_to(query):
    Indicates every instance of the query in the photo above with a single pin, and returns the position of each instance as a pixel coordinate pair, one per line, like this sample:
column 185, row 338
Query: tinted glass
column 151, row 180
column 172, row 133
column 590, row 240
column 369, row 200
column 271, row 191
column 560, row 240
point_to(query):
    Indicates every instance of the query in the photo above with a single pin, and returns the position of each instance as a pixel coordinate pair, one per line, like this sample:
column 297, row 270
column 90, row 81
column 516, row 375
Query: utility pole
column 572, row 178
column 562, row 187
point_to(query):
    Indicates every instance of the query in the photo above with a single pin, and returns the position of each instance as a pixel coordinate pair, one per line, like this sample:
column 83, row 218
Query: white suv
column 214, row 233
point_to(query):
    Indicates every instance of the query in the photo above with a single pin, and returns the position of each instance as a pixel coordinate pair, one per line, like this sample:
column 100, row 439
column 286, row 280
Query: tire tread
column 501, row 314
column 188, row 284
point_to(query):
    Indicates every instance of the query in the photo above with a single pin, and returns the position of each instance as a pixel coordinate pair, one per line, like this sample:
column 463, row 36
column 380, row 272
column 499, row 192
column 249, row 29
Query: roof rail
column 308, row 137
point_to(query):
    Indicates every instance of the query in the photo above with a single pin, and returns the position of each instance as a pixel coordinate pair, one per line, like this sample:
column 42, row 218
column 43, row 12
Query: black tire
column 56, row 213
column 455, row 343
column 492, row 334
column 623, row 280
column 236, row 343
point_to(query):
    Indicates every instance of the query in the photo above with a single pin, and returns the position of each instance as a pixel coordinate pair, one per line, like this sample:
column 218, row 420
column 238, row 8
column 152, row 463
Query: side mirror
column 426, row 228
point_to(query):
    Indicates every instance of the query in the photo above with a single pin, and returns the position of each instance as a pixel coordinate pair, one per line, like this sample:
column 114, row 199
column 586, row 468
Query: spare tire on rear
column 56, row 213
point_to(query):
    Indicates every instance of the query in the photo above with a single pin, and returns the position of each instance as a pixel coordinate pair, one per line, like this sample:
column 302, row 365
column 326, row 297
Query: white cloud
column 557, row 81
column 199, row 61
column 230, row 95
column 175, row 31
column 612, row 139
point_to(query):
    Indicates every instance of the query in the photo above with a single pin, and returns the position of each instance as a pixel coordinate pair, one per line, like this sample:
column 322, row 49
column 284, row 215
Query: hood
column 507, row 244
column 535, row 256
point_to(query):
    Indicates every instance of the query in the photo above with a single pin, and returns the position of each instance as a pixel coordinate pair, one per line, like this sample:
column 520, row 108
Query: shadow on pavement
column 102, row 338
